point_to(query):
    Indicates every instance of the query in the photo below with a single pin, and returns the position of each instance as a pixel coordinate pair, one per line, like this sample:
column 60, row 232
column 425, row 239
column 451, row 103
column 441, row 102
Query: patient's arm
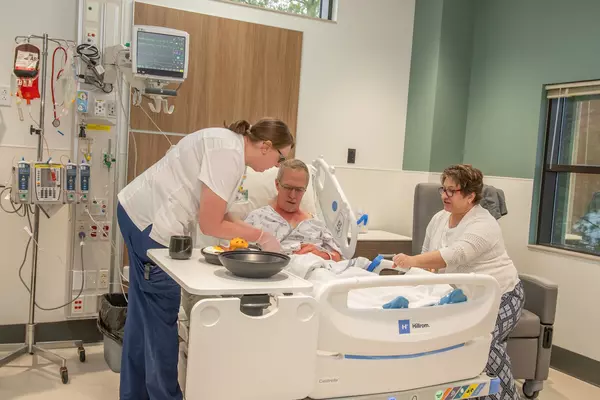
column 311, row 248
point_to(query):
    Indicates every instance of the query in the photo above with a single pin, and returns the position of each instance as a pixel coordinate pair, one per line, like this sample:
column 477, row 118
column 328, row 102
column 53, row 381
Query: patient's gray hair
column 295, row 165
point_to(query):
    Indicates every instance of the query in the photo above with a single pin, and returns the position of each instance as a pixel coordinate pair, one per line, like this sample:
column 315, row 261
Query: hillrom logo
column 405, row 326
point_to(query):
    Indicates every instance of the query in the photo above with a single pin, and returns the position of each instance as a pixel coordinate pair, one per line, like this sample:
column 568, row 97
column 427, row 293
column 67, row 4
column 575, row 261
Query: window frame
column 327, row 8
column 554, row 132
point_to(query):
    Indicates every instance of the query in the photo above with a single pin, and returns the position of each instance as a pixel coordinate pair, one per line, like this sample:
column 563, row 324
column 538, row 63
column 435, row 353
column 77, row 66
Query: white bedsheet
column 319, row 271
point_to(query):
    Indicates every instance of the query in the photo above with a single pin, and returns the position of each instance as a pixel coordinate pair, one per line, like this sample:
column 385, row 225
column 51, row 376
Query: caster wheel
column 64, row 375
column 81, row 351
column 529, row 392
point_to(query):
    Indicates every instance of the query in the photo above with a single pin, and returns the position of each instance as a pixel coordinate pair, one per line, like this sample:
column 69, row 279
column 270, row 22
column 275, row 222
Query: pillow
column 261, row 191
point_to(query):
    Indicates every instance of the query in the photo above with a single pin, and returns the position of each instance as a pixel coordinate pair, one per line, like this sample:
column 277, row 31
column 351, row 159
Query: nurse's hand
column 268, row 242
column 403, row 261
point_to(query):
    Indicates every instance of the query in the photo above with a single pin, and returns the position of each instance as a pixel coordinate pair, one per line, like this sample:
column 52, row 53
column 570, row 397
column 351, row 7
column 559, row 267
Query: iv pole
column 30, row 346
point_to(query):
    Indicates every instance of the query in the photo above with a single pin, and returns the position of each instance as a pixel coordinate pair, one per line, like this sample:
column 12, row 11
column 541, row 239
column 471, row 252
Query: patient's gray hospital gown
column 310, row 231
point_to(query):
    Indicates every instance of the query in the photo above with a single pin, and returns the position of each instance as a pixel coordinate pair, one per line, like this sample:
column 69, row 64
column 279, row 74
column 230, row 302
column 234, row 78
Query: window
column 569, row 212
column 308, row 8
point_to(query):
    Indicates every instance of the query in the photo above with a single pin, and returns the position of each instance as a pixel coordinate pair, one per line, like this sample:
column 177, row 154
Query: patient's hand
column 311, row 248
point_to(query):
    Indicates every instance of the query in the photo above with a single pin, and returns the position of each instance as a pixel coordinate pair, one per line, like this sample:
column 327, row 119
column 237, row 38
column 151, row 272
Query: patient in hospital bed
column 298, row 231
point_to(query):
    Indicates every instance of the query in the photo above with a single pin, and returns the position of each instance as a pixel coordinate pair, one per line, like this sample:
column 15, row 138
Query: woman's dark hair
column 469, row 179
column 271, row 129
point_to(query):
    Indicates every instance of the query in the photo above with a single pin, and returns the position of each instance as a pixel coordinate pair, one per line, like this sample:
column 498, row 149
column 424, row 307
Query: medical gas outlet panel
column 50, row 183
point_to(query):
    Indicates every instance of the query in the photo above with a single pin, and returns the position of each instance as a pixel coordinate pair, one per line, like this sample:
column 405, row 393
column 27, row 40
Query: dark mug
column 180, row 247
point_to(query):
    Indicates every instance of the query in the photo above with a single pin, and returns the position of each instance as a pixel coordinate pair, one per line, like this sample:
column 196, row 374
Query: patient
column 298, row 231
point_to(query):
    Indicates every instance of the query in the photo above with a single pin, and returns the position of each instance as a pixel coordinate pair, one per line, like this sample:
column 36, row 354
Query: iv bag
column 66, row 83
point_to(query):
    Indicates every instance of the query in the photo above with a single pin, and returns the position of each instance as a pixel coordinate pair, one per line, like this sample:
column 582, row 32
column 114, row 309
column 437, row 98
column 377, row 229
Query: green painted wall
column 521, row 45
column 439, row 84
column 452, row 92
column 518, row 46
column 423, row 83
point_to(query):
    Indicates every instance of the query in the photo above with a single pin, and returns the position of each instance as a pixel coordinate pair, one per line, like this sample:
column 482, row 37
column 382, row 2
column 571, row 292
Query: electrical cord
column 90, row 55
column 15, row 210
column 131, row 134
column 56, row 118
column 28, row 214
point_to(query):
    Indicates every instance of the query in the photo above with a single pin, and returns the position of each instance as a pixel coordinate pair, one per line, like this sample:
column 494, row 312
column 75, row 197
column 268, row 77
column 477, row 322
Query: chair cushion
column 527, row 327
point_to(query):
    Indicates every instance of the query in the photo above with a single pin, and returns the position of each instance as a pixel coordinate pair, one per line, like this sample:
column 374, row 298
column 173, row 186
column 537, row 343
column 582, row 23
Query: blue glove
column 398, row 302
column 456, row 296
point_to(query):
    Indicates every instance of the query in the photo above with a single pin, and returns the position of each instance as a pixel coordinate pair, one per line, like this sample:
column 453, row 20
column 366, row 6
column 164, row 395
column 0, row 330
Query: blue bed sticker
column 334, row 206
column 495, row 386
column 404, row 326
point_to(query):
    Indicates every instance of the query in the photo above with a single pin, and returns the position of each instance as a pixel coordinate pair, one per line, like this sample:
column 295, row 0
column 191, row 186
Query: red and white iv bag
column 26, row 69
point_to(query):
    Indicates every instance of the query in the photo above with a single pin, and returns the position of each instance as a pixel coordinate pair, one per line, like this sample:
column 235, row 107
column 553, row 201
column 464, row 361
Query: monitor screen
column 47, row 177
column 160, row 54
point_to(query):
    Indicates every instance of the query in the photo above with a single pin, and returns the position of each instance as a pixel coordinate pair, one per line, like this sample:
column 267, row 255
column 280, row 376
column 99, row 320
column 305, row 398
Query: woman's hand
column 268, row 242
column 403, row 261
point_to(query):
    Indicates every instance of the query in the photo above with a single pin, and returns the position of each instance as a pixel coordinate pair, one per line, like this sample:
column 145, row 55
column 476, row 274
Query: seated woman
column 297, row 230
column 465, row 238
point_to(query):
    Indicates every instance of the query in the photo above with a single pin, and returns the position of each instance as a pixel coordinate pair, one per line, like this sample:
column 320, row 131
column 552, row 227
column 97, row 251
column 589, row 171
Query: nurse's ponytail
column 242, row 127
column 267, row 129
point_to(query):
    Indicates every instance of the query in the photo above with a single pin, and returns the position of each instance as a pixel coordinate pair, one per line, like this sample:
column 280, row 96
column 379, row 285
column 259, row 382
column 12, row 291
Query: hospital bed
column 530, row 343
column 310, row 344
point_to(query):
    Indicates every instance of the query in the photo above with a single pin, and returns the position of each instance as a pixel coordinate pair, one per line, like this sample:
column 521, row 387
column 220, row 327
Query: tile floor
column 26, row 380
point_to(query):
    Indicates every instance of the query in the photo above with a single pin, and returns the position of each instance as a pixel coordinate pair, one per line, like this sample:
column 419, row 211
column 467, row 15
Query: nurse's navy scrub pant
column 150, row 344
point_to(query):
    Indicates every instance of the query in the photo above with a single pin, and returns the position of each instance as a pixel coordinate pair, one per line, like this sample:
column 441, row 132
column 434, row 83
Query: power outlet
column 103, row 279
column 92, row 11
column 96, row 208
column 105, row 231
column 91, row 36
column 111, row 109
column 77, row 305
column 91, row 280
column 5, row 96
column 94, row 232
column 100, row 108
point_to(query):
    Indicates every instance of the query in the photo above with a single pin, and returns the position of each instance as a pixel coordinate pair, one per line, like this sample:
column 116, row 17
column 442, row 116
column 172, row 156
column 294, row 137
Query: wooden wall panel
column 237, row 70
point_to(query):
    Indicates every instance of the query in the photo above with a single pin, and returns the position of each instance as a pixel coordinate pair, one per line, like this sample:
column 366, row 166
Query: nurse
column 194, row 182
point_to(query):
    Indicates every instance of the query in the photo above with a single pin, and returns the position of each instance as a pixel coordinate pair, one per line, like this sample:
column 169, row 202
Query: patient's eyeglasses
column 289, row 188
column 449, row 192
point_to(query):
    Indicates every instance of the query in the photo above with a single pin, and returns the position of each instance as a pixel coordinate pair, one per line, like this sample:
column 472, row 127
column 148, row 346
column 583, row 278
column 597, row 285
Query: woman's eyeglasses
column 449, row 192
column 281, row 157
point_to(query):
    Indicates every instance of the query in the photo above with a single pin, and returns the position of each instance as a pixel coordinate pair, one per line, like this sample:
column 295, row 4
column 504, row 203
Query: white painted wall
column 354, row 77
column 58, row 19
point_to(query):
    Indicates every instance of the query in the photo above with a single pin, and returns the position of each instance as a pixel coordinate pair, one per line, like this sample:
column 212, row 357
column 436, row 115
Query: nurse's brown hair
column 267, row 129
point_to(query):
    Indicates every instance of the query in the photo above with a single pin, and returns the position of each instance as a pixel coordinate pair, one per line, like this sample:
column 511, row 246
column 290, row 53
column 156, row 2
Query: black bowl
column 211, row 258
column 253, row 264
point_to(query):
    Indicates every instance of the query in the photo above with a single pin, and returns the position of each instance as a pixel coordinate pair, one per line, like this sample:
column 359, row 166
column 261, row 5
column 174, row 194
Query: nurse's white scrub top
column 167, row 195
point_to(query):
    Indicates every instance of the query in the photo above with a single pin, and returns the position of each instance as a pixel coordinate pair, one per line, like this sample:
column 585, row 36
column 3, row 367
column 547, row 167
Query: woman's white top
column 474, row 245
column 167, row 195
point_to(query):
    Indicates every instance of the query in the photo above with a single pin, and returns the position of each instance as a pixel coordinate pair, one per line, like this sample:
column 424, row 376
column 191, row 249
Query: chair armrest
column 541, row 296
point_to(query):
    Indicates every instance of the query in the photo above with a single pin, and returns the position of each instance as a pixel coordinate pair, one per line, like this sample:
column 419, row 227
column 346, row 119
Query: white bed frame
column 334, row 207
column 311, row 345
